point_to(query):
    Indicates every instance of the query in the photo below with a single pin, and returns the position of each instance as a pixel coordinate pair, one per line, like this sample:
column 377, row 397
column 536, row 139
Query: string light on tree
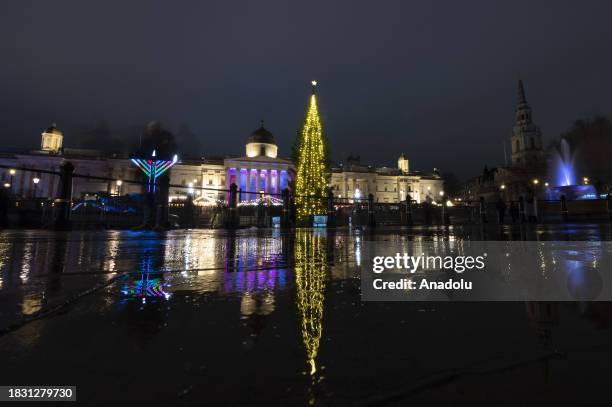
column 311, row 182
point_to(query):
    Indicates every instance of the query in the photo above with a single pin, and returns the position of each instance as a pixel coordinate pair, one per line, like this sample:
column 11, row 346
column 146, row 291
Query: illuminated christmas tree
column 311, row 177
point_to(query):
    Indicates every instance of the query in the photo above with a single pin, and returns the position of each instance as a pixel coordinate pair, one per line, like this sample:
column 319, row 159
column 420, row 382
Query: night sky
column 434, row 79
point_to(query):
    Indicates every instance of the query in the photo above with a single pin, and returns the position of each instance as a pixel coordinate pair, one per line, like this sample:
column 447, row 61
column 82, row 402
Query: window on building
column 532, row 143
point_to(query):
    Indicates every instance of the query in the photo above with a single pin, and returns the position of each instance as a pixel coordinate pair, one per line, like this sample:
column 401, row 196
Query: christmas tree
column 311, row 181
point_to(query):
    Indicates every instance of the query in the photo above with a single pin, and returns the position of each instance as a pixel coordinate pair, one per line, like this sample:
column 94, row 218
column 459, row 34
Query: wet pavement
column 258, row 317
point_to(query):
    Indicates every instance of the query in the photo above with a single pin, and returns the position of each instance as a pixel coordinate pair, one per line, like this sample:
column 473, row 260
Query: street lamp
column 503, row 186
column 536, row 181
column 546, row 184
column 119, row 183
column 35, row 180
column 585, row 180
column 12, row 172
column 444, row 218
column 7, row 185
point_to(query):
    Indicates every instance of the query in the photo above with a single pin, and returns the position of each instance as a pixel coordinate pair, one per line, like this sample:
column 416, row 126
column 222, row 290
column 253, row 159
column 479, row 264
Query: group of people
column 530, row 210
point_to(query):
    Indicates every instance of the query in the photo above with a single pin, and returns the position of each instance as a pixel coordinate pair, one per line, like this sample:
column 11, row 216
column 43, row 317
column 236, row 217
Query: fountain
column 564, row 176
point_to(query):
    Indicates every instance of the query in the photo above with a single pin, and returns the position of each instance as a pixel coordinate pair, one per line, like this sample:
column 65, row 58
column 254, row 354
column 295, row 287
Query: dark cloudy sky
column 434, row 79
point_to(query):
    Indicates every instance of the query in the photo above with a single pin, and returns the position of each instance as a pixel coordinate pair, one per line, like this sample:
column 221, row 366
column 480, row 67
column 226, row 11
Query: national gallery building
column 259, row 171
column 354, row 180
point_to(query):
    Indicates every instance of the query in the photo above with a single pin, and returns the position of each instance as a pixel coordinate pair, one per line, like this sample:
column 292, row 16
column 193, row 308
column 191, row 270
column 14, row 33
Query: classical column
column 253, row 183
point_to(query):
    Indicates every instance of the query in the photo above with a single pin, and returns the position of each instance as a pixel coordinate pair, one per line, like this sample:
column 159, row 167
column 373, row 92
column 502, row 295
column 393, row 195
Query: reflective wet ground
column 255, row 317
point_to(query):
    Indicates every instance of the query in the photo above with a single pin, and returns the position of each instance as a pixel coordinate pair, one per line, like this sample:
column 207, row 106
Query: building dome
column 53, row 130
column 261, row 143
column 261, row 135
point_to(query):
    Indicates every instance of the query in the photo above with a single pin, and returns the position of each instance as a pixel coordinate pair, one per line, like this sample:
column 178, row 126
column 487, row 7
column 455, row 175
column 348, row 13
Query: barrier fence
column 276, row 209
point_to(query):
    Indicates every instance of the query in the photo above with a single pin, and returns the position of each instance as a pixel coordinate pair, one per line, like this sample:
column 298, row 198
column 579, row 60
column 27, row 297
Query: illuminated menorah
column 153, row 168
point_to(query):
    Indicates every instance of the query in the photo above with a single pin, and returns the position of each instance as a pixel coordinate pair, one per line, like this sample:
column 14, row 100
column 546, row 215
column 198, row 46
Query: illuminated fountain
column 564, row 177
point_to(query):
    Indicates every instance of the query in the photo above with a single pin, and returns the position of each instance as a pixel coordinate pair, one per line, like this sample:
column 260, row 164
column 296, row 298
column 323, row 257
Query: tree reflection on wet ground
column 270, row 317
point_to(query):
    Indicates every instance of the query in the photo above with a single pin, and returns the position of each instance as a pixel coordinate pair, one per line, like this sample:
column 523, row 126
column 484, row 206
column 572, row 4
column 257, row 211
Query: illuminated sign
column 319, row 221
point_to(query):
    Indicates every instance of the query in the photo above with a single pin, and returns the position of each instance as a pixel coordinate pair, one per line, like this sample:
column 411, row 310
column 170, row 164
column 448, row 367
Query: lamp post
column 444, row 221
column 12, row 172
column 535, row 182
column 585, row 180
column 35, row 180
column 119, row 183
column 535, row 199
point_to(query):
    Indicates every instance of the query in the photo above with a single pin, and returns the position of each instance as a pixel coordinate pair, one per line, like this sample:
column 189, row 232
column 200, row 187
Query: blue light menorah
column 154, row 168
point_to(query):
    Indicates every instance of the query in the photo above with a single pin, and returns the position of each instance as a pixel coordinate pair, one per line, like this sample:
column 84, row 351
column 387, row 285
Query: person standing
column 501, row 210
column 514, row 211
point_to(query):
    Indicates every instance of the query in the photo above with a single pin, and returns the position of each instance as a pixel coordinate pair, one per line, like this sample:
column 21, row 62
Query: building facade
column 258, row 172
column 354, row 181
column 206, row 180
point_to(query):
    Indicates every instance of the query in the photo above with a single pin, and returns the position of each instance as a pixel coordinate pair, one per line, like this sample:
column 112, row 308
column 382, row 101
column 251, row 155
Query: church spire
column 521, row 93
column 523, row 111
column 526, row 137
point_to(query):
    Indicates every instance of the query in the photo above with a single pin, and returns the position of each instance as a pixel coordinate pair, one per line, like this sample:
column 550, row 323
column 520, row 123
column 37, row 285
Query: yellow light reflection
column 310, row 273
